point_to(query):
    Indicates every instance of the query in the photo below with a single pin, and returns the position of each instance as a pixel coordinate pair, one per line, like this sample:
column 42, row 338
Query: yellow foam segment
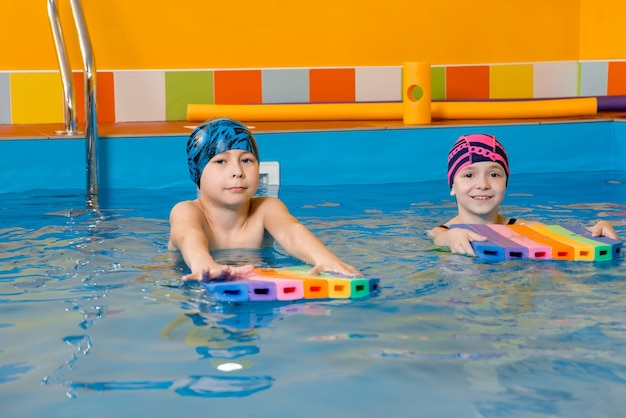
column 602, row 252
column 582, row 252
column 395, row 111
column 339, row 288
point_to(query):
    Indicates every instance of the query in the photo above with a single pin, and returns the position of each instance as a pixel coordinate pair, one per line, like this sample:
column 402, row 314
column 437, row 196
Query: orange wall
column 602, row 34
column 165, row 34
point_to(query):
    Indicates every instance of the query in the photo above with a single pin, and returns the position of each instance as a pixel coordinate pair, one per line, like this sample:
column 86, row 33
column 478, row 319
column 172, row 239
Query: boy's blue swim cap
column 213, row 137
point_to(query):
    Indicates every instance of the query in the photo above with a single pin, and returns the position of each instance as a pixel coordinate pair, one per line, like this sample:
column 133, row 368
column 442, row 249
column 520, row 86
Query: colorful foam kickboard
column 547, row 242
column 288, row 284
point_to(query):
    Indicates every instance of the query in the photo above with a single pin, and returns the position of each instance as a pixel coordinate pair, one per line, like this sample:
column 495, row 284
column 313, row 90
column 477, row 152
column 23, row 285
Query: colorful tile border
column 155, row 95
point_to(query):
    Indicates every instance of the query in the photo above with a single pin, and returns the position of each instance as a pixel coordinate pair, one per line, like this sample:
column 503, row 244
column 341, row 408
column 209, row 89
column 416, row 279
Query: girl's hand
column 603, row 229
column 458, row 240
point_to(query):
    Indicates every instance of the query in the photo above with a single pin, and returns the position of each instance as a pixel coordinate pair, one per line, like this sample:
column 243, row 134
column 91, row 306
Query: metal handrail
column 69, row 113
column 91, row 112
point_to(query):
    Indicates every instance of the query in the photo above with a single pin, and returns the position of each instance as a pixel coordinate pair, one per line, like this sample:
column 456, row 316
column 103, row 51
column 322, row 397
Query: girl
column 478, row 173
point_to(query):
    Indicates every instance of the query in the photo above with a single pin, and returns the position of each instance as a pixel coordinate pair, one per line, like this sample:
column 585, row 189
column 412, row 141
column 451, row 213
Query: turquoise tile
column 285, row 85
column 593, row 78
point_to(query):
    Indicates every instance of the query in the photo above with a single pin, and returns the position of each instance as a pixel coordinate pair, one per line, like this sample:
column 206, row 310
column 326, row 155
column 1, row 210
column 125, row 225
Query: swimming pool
column 94, row 321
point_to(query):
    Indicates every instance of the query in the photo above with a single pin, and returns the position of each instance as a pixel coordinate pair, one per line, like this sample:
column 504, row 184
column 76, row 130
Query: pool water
column 94, row 320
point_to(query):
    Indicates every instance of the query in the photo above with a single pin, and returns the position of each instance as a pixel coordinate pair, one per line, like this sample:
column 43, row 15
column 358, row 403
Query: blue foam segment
column 512, row 250
column 374, row 285
column 487, row 250
column 616, row 245
column 225, row 291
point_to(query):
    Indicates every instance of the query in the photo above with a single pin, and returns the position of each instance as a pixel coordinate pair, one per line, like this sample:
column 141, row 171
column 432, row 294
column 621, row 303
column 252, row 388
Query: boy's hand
column 335, row 266
column 218, row 271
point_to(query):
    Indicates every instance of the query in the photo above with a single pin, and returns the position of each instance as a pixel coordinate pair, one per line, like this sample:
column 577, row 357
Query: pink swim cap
column 474, row 148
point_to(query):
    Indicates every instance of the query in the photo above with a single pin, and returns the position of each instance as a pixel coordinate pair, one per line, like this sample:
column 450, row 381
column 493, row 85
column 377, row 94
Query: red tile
column 467, row 83
column 238, row 87
column 105, row 96
column 332, row 85
column 617, row 79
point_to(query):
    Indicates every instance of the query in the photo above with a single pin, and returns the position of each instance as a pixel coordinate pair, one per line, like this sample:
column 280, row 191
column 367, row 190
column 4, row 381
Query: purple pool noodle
column 605, row 103
column 611, row 103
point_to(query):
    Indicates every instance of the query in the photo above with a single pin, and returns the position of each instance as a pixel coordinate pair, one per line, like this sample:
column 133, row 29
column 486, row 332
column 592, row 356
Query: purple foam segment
column 487, row 250
column 616, row 245
column 286, row 289
column 611, row 103
column 227, row 291
column 535, row 249
column 259, row 290
column 512, row 250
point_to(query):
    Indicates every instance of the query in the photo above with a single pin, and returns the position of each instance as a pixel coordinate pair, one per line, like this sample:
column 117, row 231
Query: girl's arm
column 458, row 240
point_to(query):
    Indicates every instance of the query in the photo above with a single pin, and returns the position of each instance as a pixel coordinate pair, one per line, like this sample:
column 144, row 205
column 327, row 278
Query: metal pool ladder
column 91, row 113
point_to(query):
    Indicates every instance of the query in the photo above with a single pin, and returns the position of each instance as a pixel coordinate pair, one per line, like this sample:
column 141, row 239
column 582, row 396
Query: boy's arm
column 298, row 241
column 188, row 236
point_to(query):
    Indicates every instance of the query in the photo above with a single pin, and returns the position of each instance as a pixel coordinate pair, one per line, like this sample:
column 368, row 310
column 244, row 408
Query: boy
column 223, row 161
column 478, row 173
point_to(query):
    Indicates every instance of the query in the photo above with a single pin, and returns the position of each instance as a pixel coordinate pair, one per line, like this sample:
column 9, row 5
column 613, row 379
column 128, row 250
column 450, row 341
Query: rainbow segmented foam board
column 542, row 242
column 288, row 284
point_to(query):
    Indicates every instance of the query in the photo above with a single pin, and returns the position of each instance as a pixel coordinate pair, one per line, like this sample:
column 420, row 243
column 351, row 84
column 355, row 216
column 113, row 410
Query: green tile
column 186, row 87
column 438, row 83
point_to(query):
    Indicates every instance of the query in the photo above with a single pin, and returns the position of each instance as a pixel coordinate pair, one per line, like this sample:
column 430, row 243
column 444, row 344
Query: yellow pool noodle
column 297, row 112
column 517, row 109
column 549, row 108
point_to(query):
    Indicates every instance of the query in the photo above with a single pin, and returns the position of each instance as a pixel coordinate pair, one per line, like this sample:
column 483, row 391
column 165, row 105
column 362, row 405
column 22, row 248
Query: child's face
column 479, row 189
column 231, row 177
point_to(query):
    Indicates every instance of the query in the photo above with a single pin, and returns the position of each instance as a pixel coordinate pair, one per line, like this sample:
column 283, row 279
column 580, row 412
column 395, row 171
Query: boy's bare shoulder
column 271, row 201
column 268, row 206
column 186, row 206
